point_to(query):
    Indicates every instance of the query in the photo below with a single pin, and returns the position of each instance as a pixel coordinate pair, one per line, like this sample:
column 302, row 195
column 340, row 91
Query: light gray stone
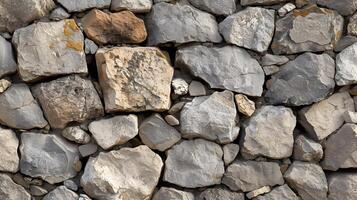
column 230, row 152
column 342, row 185
column 80, row 5
column 58, row 14
column 61, row 192
column 210, row 117
column 12, row 191
column 251, row 175
column 130, row 173
column 270, row 59
column 346, row 66
column 281, row 192
column 307, row 79
column 157, row 134
column 286, row 9
column 220, row 193
column 172, row 120
column 197, row 89
column 76, row 134
column 269, row 70
column 223, row 7
column 49, row 157
column 345, row 42
column 165, row 193
column 90, row 47
column 70, row 184
column 308, row 179
column 177, row 23
column 135, row 6
column 87, row 149
column 260, row 2
column 269, row 132
column 9, row 159
column 306, row 149
column 194, row 163
column 345, row 7
column 7, row 62
column 37, row 191
column 180, row 86
column 352, row 25
column 227, row 67
column 252, row 28
column 350, row 117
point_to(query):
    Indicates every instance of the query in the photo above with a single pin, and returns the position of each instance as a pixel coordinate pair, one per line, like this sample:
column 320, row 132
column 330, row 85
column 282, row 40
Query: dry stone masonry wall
column 178, row 99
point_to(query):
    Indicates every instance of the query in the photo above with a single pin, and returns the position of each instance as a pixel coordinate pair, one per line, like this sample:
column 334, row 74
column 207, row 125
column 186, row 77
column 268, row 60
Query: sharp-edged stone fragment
column 134, row 78
column 136, row 6
column 165, row 193
column 244, row 105
column 251, row 175
column 350, row 117
column 194, row 163
column 227, row 67
column 18, row 108
column 344, row 7
column 269, row 70
column 270, row 59
column 309, row 29
column 59, row 14
column 9, row 159
column 260, row 2
column 37, row 191
column 90, row 47
column 308, row 179
column 307, row 79
column 323, row 118
column 55, row 48
column 7, row 60
column 61, row 193
column 219, row 193
column 197, row 89
column 4, row 85
column 306, row 149
column 346, row 66
column 286, row 9
column 76, row 134
column 258, row 192
column 180, row 86
column 223, row 7
column 342, row 185
column 87, row 149
column 130, row 173
column 80, row 5
column 210, row 117
column 269, row 132
column 230, row 152
column 115, row 130
column 280, row 193
column 352, row 25
column 345, row 42
column 49, row 157
column 12, row 191
column 176, row 23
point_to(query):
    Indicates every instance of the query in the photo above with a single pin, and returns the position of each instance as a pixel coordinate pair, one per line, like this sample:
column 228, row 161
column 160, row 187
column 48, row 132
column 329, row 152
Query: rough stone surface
column 55, row 48
column 223, row 7
column 323, row 118
column 197, row 89
column 177, row 23
column 80, row 5
column 61, row 192
column 269, row 133
column 345, row 42
column 76, row 134
column 4, row 85
column 210, row 117
column 230, row 152
column 286, row 9
column 307, row 79
column 37, row 191
column 134, row 78
column 18, row 108
column 350, row 117
column 129, row 173
column 270, row 59
column 260, row 2
column 308, row 179
column 166, row 193
column 344, row 7
column 342, row 186
column 180, row 86
column 49, row 157
column 7, row 62
column 87, row 149
column 194, row 163
column 136, row 6
column 258, row 192
column 352, row 25
column 280, row 192
column 244, row 105
column 59, row 14
column 220, row 193
column 322, row 26
column 90, row 47
column 306, row 149
column 227, row 67
column 114, row 28
column 12, row 191
column 252, row 175
column 9, row 159
column 252, row 28
column 346, row 66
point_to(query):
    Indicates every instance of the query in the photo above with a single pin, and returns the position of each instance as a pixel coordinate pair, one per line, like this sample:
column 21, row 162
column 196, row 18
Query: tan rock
column 114, row 28
column 4, row 84
column 258, row 192
column 245, row 106
column 134, row 79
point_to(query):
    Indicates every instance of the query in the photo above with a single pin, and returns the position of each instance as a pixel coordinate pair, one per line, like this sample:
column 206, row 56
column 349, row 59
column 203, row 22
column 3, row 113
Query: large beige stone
column 9, row 159
column 10, row 190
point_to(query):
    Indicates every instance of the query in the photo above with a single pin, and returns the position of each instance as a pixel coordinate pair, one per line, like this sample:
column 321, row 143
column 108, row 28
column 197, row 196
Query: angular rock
column 166, row 193
column 308, row 179
column 352, row 25
column 252, row 175
column 307, row 79
column 342, row 185
column 269, row 70
column 179, row 86
column 9, row 159
column 194, row 163
column 130, row 173
column 258, row 192
column 323, row 118
column 323, row 27
column 114, row 28
column 260, row 2
column 245, row 106
column 134, row 79
column 68, row 99
column 4, row 85
column 87, row 149
column 344, row 7
column 90, row 47
column 280, row 192
column 7, row 62
column 340, row 149
column 58, row 14
column 37, row 191
column 11, row 191
column 61, row 192
column 346, row 66
column 269, row 132
column 230, row 152
column 49, row 157
column 114, row 131
column 350, row 117
column 220, row 193
column 18, row 108
column 306, row 149
column 286, row 9
column 176, row 23
column 197, row 89
column 55, row 48
column 210, row 117
column 76, row 134
column 227, row 67
column 136, row 6
column 223, row 7
column 12, row 15
column 270, row 59
column 345, row 42
column 157, row 134
column 80, row 5
column 252, row 28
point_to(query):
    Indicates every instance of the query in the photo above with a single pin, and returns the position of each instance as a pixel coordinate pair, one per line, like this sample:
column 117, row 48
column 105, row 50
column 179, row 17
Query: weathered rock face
column 80, row 5
column 227, row 67
column 342, row 186
column 306, row 149
column 55, row 48
column 61, row 192
column 136, row 6
column 252, row 28
column 68, row 99
column 7, row 61
column 344, row 7
column 224, row 7
column 307, row 79
column 346, row 66
column 114, row 28
column 129, row 173
column 308, row 179
column 210, row 117
column 166, row 193
column 323, row 118
column 18, row 108
column 340, row 150
column 322, row 26
column 194, row 163
column 114, row 131
column 157, row 134
column 10, row 190
column 230, row 152
column 134, row 78
column 269, row 132
column 168, row 23
column 9, row 160
column 250, row 175
column 260, row 2
column 280, row 192
column 76, row 134
column 13, row 16
column 244, row 105
column 220, row 193
column 48, row 157
column 352, row 25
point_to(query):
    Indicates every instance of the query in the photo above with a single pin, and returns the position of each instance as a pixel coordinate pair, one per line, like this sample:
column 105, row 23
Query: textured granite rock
column 165, row 193
column 344, row 7
column 12, row 191
column 342, row 186
column 219, row 193
column 136, row 6
column 244, row 105
column 9, row 159
column 307, row 150
column 346, row 66
column 76, row 134
column 80, row 5
column 223, row 7
column 280, row 192
column 230, row 152
column 260, row 2
column 61, row 192
column 7, row 60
